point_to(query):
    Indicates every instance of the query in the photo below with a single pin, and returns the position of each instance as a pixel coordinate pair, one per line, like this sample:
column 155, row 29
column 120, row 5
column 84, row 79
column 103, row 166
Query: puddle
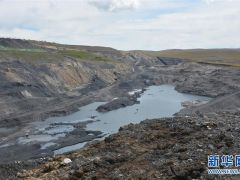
column 5, row 131
column 47, row 145
column 74, row 147
column 59, row 129
column 39, row 138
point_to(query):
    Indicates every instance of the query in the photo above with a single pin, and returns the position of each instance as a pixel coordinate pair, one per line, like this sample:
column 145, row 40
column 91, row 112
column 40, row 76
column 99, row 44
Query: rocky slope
column 34, row 78
column 168, row 148
column 35, row 75
column 42, row 79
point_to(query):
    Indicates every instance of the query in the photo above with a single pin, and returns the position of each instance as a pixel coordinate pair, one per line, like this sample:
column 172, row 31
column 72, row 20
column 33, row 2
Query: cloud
column 115, row 5
column 142, row 24
column 212, row 1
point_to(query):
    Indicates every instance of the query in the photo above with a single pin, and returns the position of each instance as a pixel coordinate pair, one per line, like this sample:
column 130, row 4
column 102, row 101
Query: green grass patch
column 47, row 52
column 41, row 55
column 85, row 55
column 31, row 56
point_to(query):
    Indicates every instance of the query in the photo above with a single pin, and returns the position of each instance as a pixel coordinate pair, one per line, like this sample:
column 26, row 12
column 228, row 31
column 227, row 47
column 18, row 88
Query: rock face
column 169, row 61
column 34, row 76
column 119, row 103
column 116, row 104
column 25, row 85
column 168, row 148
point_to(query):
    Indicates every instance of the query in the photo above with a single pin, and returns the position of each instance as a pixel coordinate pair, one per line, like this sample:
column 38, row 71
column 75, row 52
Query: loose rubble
column 167, row 148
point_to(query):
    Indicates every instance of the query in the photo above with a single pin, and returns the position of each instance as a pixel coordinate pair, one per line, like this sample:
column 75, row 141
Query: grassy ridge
column 40, row 51
column 79, row 54
column 42, row 55
column 29, row 55
column 227, row 57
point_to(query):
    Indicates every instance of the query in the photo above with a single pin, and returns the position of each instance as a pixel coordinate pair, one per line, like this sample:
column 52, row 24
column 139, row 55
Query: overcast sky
column 125, row 24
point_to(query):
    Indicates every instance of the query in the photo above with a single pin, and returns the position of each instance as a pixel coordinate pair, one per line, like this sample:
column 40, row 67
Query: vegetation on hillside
column 44, row 55
column 41, row 51
column 80, row 54
column 228, row 57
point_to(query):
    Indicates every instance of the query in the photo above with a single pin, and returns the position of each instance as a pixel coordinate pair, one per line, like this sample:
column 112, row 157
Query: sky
column 125, row 24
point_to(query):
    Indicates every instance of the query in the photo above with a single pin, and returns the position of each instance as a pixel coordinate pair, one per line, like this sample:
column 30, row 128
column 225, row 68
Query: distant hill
column 36, row 49
column 22, row 43
column 41, row 50
column 212, row 56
